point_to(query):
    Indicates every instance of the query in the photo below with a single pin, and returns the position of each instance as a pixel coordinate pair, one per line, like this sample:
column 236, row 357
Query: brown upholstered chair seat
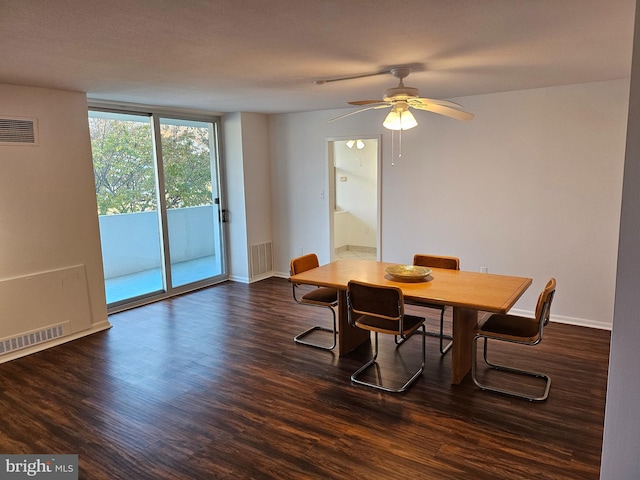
column 321, row 296
column 512, row 327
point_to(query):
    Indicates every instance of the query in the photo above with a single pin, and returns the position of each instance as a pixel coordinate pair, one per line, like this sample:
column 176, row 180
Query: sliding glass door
column 126, row 190
column 156, row 244
column 192, row 197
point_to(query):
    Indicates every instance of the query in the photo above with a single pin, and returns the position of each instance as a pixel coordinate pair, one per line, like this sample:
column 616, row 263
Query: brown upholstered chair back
column 436, row 261
column 303, row 263
column 543, row 307
column 375, row 300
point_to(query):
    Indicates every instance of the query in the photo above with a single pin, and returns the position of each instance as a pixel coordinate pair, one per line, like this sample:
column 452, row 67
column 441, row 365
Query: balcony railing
column 132, row 255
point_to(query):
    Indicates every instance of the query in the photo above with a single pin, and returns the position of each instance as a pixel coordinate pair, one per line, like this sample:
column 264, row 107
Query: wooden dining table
column 467, row 292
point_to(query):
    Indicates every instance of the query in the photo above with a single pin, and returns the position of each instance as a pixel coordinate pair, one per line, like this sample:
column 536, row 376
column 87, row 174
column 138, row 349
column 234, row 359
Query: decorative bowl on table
column 408, row 273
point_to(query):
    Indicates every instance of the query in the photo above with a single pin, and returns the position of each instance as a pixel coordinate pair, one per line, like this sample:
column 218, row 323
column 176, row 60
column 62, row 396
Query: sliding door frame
column 155, row 115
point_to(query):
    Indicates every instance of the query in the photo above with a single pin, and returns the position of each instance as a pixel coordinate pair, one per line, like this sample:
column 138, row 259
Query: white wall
column 530, row 187
column 48, row 214
column 300, row 178
column 248, row 187
column 234, row 181
column 255, row 147
column 621, row 442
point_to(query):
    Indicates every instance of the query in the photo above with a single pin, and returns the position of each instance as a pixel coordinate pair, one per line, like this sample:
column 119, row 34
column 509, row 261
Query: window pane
column 123, row 163
column 189, row 164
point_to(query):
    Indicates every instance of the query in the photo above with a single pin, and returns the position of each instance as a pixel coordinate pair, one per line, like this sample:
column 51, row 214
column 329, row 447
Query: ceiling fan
column 400, row 99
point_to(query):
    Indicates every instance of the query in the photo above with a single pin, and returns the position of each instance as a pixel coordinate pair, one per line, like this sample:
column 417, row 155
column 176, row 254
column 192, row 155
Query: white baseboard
column 262, row 276
column 239, row 279
column 257, row 278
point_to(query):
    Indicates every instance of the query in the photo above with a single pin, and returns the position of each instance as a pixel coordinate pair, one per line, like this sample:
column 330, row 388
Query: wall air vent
column 18, row 131
column 261, row 260
column 34, row 337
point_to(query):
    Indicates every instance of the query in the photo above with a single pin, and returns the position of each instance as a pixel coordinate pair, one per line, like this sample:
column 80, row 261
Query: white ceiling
column 263, row 55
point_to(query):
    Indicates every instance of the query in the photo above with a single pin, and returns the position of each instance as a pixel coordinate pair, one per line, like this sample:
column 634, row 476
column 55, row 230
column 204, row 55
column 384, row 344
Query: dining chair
column 380, row 309
column 515, row 329
column 436, row 261
column 316, row 297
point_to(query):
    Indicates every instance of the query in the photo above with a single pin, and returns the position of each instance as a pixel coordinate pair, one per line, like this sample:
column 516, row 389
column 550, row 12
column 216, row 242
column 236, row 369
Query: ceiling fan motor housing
column 400, row 93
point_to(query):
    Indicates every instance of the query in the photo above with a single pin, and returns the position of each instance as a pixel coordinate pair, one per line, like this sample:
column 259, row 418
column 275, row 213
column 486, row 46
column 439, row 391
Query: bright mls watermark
column 50, row 467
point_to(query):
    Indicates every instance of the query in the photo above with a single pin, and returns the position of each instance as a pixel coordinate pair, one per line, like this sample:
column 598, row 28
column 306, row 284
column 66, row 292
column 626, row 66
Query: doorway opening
column 354, row 197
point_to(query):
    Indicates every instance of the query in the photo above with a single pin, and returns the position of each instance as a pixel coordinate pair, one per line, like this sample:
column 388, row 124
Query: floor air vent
column 261, row 259
column 18, row 131
column 25, row 340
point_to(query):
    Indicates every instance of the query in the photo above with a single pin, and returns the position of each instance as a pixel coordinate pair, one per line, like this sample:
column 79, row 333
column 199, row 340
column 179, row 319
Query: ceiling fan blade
column 365, row 102
column 444, row 110
column 410, row 67
column 352, row 77
column 358, row 111
column 446, row 103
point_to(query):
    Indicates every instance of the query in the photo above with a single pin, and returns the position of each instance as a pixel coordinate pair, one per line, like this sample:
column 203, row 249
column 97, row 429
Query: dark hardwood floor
column 210, row 385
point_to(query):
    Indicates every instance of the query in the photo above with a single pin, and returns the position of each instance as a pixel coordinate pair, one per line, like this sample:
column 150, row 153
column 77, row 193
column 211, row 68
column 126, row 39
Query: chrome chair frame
column 401, row 317
column 299, row 338
column 543, row 310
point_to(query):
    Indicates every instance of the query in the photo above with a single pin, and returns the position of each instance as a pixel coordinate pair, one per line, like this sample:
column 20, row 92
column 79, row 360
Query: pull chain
column 393, row 143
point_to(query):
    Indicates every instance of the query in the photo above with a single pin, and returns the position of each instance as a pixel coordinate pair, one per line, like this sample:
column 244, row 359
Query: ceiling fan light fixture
column 359, row 144
column 400, row 118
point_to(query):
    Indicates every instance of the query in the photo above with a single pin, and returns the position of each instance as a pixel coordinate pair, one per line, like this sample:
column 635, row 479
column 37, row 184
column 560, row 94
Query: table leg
column 349, row 338
column 464, row 324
